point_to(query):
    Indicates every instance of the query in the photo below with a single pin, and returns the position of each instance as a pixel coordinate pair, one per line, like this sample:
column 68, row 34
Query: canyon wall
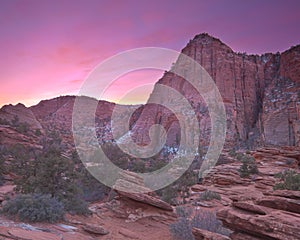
column 260, row 93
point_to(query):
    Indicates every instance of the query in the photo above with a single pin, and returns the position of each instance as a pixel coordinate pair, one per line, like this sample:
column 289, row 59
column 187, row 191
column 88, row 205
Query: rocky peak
column 47, row 107
column 11, row 107
column 21, row 113
column 244, row 81
column 206, row 39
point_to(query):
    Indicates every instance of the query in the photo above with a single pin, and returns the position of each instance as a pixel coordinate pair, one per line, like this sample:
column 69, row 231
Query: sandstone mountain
column 260, row 92
column 262, row 98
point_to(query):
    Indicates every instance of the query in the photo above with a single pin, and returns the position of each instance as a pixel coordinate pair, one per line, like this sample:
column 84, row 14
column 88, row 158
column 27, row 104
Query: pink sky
column 48, row 47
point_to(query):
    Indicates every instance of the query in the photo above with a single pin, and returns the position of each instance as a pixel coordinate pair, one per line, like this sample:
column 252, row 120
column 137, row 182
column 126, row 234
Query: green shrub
column 76, row 206
column 34, row 208
column 238, row 155
column 207, row 220
column 232, row 153
column 184, row 212
column 179, row 188
column 203, row 219
column 168, row 194
column 248, row 166
column 91, row 189
column 290, row 180
column 38, row 132
column 181, row 230
column 22, row 127
column 208, row 195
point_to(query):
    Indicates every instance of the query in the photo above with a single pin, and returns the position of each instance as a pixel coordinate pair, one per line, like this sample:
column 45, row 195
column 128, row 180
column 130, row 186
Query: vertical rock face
column 281, row 108
column 260, row 93
column 290, row 64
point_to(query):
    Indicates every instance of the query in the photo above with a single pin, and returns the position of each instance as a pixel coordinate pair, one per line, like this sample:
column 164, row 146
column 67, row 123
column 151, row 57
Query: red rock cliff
column 260, row 92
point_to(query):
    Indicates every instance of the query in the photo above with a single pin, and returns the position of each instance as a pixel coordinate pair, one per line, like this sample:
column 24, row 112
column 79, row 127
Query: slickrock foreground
column 250, row 207
column 125, row 216
column 261, row 97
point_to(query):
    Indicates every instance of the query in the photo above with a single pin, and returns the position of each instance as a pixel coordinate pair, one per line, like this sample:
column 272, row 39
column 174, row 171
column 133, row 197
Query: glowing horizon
column 48, row 49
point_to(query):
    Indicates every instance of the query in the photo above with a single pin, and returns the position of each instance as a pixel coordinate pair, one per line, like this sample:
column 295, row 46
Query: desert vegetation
column 179, row 189
column 209, row 195
column 46, row 173
column 48, row 181
column 34, row 208
column 188, row 218
column 290, row 180
column 248, row 166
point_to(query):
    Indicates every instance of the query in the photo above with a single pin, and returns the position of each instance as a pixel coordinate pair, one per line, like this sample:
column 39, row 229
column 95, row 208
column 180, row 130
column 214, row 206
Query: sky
column 48, row 48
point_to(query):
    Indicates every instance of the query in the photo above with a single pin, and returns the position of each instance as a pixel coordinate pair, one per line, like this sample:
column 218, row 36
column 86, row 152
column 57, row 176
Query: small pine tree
column 248, row 166
column 50, row 173
column 92, row 189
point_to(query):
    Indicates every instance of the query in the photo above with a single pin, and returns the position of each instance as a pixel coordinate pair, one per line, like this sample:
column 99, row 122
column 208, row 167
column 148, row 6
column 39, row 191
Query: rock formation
column 260, row 93
column 262, row 99
column 20, row 114
column 201, row 234
column 130, row 179
column 249, row 206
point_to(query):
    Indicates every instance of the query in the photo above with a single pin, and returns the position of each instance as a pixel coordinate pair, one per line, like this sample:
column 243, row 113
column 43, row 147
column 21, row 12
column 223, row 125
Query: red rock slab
column 76, row 236
column 286, row 204
column 22, row 234
column 276, row 225
column 201, row 234
column 284, row 193
column 248, row 206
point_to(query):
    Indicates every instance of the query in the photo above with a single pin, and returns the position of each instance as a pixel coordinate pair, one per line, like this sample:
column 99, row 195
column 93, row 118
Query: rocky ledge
column 250, row 207
column 129, row 180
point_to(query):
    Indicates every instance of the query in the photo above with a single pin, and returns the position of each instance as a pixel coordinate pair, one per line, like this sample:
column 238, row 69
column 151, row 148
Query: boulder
column 147, row 199
column 95, row 229
column 128, row 180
